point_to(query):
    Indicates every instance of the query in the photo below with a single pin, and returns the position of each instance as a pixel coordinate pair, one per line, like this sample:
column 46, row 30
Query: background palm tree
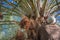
column 31, row 8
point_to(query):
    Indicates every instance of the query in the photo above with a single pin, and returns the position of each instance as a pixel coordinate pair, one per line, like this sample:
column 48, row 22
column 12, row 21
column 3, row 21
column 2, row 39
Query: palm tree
column 33, row 9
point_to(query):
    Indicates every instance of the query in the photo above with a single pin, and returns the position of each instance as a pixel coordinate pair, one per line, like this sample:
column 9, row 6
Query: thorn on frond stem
column 1, row 16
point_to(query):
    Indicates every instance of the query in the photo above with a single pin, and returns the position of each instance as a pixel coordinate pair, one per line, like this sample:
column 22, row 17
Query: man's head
column 25, row 23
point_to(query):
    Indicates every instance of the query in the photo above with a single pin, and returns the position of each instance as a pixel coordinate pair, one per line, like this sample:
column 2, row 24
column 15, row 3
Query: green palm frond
column 51, row 6
column 29, row 7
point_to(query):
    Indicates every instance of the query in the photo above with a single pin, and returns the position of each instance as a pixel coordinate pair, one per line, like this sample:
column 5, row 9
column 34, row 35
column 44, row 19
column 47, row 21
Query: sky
column 8, row 6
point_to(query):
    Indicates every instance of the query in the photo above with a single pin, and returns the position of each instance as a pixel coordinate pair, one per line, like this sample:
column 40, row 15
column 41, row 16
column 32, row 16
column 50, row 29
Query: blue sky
column 8, row 6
